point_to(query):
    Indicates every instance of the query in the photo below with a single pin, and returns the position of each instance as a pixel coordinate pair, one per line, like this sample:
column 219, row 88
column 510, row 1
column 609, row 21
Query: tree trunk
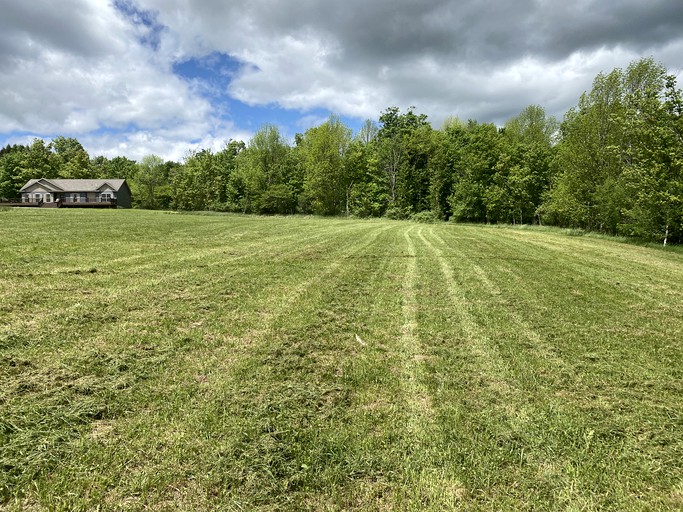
column 666, row 235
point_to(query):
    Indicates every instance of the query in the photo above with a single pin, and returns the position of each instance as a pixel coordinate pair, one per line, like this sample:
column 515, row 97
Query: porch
column 60, row 202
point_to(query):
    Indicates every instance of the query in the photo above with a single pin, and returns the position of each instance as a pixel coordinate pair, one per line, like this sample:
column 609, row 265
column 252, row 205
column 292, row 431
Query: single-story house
column 77, row 193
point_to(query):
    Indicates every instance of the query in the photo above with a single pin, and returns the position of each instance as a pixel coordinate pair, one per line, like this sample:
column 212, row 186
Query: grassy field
column 157, row 361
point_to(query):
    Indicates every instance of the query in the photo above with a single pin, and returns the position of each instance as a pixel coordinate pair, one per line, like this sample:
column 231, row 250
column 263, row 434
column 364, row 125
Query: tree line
column 614, row 165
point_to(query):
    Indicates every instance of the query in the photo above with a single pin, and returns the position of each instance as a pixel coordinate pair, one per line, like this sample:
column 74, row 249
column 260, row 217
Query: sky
column 166, row 77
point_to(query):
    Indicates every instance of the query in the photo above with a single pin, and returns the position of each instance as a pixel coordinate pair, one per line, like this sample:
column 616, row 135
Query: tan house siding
column 75, row 192
column 36, row 193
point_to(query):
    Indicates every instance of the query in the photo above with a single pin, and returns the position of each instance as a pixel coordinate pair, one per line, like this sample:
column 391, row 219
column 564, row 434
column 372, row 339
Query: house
column 76, row 193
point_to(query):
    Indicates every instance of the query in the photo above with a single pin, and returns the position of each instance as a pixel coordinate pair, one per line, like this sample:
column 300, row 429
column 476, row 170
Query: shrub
column 426, row 217
column 398, row 213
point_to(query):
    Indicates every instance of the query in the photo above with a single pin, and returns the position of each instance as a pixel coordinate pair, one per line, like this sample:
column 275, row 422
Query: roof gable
column 60, row 185
column 45, row 183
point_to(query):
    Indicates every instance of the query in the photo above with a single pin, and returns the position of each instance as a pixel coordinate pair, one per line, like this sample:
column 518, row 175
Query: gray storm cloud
column 85, row 65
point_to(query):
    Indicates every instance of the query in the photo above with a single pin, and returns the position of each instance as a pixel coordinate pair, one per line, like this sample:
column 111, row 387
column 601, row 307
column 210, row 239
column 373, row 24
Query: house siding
column 123, row 197
column 75, row 192
column 29, row 195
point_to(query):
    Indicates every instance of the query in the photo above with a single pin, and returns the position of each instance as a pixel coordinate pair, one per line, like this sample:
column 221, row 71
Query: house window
column 48, row 198
column 106, row 197
column 37, row 197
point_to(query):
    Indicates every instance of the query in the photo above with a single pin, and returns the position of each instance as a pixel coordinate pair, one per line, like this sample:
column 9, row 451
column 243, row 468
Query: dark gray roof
column 76, row 185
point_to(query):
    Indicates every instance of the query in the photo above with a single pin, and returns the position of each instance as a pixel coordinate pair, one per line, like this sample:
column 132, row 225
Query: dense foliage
column 613, row 165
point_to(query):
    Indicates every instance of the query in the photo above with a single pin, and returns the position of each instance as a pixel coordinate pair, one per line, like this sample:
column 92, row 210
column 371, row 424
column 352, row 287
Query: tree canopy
column 614, row 164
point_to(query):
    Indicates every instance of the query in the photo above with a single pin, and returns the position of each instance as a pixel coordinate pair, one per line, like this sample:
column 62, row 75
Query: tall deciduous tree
column 264, row 164
column 589, row 158
column 619, row 158
column 151, row 175
column 653, row 176
column 368, row 132
column 474, row 167
column 416, row 168
column 523, row 170
column 193, row 183
column 70, row 159
column 532, row 127
column 327, row 182
column 18, row 164
column 391, row 147
column 12, row 160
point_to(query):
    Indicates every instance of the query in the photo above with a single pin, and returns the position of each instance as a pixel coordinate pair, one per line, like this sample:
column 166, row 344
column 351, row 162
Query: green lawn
column 157, row 361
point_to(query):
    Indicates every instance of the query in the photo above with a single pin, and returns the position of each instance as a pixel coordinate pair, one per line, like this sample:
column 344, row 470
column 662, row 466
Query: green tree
column 223, row 195
column 19, row 164
column 474, row 163
column 278, row 198
column 617, row 158
column 264, row 163
column 367, row 192
column 151, row 175
column 532, row 127
column 588, row 156
column 118, row 167
column 419, row 146
column 13, row 160
column 446, row 166
column 39, row 162
column 392, row 151
column 522, row 173
column 327, row 182
column 367, row 133
column 192, row 184
column 267, row 153
column 69, row 158
column 653, row 177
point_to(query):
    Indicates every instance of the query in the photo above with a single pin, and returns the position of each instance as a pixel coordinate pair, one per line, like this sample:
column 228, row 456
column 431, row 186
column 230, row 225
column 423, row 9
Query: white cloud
column 138, row 144
column 74, row 68
column 100, row 77
column 310, row 121
column 443, row 57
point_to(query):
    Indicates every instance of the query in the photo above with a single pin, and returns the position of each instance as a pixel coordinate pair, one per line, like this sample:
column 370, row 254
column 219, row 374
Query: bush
column 277, row 199
column 397, row 213
column 426, row 217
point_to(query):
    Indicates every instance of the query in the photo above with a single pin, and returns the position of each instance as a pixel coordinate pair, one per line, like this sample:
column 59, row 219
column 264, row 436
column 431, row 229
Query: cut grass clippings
column 223, row 362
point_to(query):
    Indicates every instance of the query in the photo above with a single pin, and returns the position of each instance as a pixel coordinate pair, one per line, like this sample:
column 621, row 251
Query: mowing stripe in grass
column 625, row 293
column 431, row 481
column 496, row 370
column 583, row 394
column 87, row 344
column 418, row 398
column 611, row 262
column 325, row 364
column 155, row 279
column 540, row 349
column 228, row 370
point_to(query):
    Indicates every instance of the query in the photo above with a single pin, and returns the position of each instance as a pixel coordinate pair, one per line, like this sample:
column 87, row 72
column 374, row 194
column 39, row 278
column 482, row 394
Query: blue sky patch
column 215, row 67
column 211, row 75
column 143, row 18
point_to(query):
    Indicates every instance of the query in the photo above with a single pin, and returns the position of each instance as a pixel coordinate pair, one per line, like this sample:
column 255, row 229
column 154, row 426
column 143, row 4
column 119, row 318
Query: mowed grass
column 155, row 361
